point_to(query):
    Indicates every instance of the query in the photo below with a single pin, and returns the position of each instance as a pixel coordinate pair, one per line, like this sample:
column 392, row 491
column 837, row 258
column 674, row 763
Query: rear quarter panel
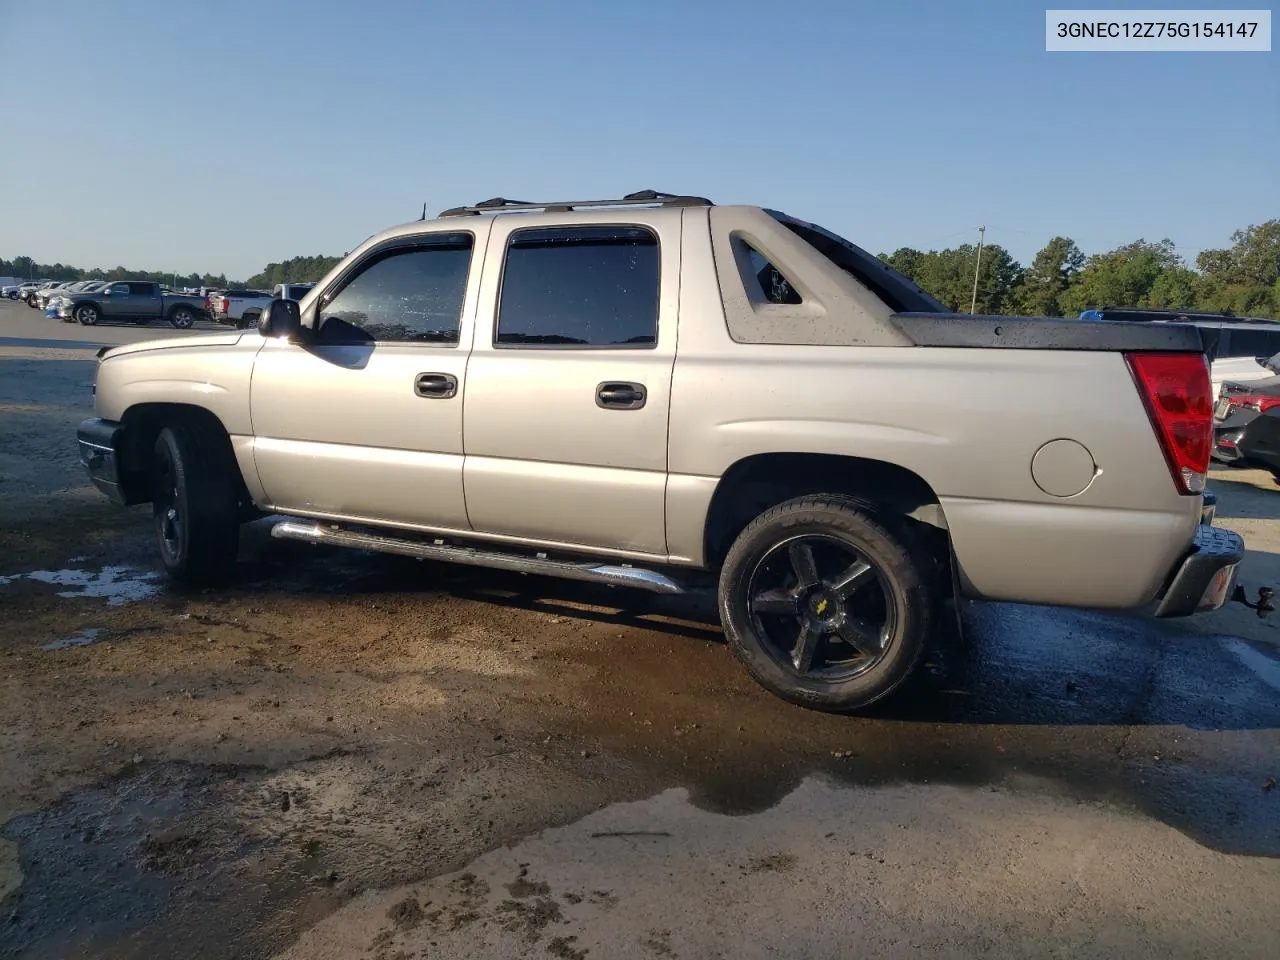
column 967, row 421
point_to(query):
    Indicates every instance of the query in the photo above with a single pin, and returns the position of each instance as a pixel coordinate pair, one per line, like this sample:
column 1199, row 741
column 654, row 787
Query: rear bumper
column 99, row 453
column 1203, row 579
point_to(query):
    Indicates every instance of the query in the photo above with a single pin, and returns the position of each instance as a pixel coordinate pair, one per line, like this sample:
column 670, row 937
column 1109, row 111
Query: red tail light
column 1176, row 390
column 224, row 305
column 1254, row 401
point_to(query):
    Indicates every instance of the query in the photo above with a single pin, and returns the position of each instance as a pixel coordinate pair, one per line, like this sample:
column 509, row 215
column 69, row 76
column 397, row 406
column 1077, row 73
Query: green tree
column 1120, row 278
column 1241, row 278
column 1176, row 288
column 296, row 270
column 948, row 275
column 1252, row 260
column 1048, row 277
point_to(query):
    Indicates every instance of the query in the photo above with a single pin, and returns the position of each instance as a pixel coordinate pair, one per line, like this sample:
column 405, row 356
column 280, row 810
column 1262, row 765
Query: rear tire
column 195, row 504
column 824, row 605
column 183, row 318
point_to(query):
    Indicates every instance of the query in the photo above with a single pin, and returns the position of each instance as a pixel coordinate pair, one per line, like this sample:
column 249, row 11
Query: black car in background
column 1259, row 443
column 1246, row 424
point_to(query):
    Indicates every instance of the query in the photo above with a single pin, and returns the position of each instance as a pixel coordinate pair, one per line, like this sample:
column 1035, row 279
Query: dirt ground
column 347, row 755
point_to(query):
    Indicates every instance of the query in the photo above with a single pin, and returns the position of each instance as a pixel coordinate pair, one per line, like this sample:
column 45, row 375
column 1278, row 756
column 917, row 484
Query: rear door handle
column 436, row 386
column 615, row 395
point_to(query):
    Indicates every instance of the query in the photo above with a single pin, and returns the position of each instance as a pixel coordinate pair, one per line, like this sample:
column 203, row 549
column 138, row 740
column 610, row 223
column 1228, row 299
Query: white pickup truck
column 654, row 392
column 229, row 306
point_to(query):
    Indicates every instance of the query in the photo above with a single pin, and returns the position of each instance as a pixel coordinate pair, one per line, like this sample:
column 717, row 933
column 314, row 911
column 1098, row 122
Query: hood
column 172, row 343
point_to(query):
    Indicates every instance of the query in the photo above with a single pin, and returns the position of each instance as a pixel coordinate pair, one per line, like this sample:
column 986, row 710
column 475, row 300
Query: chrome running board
column 613, row 575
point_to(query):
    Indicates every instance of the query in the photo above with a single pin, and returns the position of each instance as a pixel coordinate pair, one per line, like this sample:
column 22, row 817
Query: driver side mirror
column 281, row 318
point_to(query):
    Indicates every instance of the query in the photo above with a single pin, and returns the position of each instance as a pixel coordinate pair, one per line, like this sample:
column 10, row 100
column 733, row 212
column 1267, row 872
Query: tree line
column 27, row 269
column 1242, row 279
column 296, row 270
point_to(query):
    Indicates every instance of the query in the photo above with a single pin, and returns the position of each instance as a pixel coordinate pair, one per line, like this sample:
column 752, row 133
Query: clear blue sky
column 222, row 135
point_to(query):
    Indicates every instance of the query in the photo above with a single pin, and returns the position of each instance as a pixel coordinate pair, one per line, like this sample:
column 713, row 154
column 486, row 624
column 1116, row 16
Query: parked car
column 1239, row 370
column 291, row 291
column 10, row 291
column 1259, row 442
column 230, row 305
column 46, row 296
column 1239, row 404
column 25, row 290
column 29, row 287
column 60, row 303
column 819, row 444
column 282, row 291
column 34, row 297
column 140, row 301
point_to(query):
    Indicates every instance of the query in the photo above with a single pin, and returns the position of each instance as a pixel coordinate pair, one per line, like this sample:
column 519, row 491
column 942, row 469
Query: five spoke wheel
column 821, row 607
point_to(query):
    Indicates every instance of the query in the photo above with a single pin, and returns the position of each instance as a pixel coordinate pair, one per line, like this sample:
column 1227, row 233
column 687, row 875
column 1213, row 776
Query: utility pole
column 973, row 304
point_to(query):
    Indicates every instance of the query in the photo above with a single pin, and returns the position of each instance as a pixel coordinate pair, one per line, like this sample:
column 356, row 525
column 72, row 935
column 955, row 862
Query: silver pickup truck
column 657, row 392
column 138, row 301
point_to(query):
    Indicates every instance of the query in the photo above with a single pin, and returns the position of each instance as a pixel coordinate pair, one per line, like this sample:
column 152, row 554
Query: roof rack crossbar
column 639, row 198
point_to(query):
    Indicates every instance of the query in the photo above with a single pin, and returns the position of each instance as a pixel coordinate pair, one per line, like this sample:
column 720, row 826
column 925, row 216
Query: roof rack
column 639, row 198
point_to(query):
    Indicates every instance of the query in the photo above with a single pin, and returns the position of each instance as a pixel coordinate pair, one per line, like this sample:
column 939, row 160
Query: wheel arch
column 755, row 483
column 142, row 423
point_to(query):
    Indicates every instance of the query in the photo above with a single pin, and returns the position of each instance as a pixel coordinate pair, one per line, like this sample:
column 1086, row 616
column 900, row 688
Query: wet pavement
column 216, row 773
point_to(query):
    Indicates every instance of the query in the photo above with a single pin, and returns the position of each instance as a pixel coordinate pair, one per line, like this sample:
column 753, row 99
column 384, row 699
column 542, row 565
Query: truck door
column 145, row 299
column 569, row 381
column 364, row 421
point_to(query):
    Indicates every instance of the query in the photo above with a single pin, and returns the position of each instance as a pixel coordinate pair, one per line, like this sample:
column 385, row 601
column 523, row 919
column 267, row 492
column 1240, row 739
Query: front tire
column 87, row 314
column 183, row 318
column 824, row 605
column 195, row 505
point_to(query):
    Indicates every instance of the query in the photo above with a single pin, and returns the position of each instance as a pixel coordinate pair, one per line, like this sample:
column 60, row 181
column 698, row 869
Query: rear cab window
column 590, row 286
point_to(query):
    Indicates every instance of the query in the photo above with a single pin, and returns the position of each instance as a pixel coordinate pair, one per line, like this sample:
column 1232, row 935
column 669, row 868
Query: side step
column 613, row 575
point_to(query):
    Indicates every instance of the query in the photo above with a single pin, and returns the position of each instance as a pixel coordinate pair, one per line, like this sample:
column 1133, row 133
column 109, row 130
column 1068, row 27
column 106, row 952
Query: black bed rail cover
column 1045, row 333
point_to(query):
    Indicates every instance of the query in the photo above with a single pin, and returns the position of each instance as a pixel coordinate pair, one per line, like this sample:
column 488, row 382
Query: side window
column 768, row 279
column 591, row 287
column 141, row 289
column 407, row 295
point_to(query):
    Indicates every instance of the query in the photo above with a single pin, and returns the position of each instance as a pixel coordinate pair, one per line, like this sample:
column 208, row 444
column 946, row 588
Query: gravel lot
column 356, row 756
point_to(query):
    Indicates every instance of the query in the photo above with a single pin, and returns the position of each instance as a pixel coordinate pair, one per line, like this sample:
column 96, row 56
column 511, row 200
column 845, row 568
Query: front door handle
column 436, row 386
column 615, row 395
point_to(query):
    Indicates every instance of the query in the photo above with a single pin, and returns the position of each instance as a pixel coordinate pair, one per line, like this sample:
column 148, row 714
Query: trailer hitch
column 1265, row 597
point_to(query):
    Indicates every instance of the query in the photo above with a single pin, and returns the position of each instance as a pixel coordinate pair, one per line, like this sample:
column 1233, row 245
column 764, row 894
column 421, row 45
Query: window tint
column 143, row 289
column 594, row 286
column 411, row 295
column 773, row 286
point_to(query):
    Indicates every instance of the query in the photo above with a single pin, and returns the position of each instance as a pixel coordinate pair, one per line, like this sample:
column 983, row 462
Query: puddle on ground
column 663, row 878
column 84, row 638
column 107, row 863
column 117, row 585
